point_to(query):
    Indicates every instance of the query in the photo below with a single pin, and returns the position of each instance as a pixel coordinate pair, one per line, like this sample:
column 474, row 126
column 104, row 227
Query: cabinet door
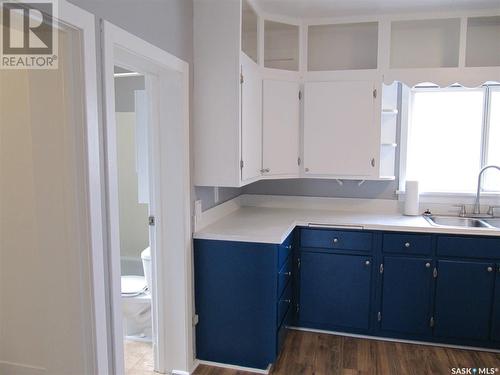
column 335, row 290
column 464, row 296
column 280, row 128
column 340, row 132
column 251, row 119
column 406, row 295
column 495, row 321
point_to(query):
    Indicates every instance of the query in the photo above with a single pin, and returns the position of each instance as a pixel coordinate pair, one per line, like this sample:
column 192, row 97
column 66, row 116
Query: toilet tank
column 146, row 264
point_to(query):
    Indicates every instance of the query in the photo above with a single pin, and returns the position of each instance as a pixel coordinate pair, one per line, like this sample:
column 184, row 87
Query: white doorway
column 160, row 200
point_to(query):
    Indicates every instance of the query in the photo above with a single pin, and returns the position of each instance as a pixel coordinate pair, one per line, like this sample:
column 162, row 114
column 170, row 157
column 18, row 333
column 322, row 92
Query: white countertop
column 273, row 225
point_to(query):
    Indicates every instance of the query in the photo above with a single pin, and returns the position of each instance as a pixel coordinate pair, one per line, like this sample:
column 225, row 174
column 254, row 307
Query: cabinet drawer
column 284, row 275
column 284, row 303
column 470, row 247
column 336, row 239
column 284, row 250
column 407, row 243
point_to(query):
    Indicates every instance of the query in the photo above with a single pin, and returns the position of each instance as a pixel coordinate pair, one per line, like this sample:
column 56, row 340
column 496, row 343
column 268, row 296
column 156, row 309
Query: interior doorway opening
column 132, row 151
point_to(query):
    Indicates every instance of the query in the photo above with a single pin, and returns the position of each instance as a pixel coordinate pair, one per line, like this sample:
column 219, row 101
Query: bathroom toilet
column 136, row 301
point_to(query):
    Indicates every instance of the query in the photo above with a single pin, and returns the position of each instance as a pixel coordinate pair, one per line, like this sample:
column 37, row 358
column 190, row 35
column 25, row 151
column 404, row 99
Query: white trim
column 171, row 152
column 97, row 329
column 389, row 339
column 234, row 367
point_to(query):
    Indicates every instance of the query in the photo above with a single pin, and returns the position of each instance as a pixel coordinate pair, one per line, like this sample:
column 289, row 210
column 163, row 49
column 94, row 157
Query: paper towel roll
column 411, row 198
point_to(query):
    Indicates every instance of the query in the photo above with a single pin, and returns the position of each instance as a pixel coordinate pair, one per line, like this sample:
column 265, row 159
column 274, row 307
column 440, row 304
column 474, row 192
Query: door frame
column 96, row 328
column 173, row 308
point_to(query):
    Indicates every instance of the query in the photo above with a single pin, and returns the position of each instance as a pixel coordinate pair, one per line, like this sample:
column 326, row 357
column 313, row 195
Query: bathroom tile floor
column 138, row 358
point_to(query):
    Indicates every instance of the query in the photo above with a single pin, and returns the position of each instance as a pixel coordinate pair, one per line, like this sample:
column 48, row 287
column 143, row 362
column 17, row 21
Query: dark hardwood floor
column 306, row 353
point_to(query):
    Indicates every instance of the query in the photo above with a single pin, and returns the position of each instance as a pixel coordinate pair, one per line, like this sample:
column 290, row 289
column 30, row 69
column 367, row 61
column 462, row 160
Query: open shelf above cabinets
column 483, row 41
column 249, row 32
column 430, row 43
column 346, row 46
column 281, row 45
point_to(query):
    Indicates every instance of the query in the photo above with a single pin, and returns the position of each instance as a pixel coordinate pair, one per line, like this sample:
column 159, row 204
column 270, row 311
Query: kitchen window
column 452, row 133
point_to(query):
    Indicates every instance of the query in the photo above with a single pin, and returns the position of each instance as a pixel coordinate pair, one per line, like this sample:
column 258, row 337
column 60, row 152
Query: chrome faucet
column 477, row 206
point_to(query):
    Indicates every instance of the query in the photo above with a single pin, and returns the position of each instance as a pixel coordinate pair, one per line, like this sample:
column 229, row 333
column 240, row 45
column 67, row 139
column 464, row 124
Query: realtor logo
column 29, row 38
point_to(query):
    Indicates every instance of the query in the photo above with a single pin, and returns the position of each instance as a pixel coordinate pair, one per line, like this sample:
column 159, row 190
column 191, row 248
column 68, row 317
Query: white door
column 340, row 137
column 251, row 120
column 280, row 116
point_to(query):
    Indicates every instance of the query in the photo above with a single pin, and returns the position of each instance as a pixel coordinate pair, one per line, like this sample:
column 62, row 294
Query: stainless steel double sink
column 464, row 222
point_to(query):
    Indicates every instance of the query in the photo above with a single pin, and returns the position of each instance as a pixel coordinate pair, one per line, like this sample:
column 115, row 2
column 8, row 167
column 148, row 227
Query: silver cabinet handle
column 407, row 244
column 289, row 273
column 367, row 263
column 265, row 170
column 288, row 246
column 286, row 300
column 490, row 269
column 427, row 265
column 335, row 240
column 373, row 162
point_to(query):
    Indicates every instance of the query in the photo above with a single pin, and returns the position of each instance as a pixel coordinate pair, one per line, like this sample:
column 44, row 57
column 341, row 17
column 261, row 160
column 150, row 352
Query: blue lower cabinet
column 464, row 298
column 495, row 321
column 247, row 294
column 406, row 295
column 236, row 287
column 335, row 290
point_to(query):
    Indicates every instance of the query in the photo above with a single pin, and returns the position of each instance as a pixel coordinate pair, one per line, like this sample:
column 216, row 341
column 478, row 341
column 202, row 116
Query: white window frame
column 444, row 197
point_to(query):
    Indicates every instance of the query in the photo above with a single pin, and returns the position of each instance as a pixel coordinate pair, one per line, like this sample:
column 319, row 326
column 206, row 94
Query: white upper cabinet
column 340, row 132
column 281, row 118
column 248, row 66
column 227, row 113
column 251, row 120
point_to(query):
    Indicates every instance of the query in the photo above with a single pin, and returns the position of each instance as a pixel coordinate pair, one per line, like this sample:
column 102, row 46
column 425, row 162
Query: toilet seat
column 133, row 285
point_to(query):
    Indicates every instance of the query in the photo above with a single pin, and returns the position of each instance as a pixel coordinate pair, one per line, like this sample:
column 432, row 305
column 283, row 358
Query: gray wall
column 167, row 24
column 207, row 195
column 324, row 188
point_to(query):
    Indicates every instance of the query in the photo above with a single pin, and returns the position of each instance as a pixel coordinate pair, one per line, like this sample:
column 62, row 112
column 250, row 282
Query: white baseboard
column 380, row 338
column 12, row 368
column 233, row 367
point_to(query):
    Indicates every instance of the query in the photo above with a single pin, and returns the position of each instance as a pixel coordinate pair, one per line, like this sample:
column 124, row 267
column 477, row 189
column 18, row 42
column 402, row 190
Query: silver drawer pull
column 490, row 269
column 288, row 247
column 286, row 300
column 367, row 263
column 427, row 265
column 335, row 240
column 407, row 244
column 289, row 273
